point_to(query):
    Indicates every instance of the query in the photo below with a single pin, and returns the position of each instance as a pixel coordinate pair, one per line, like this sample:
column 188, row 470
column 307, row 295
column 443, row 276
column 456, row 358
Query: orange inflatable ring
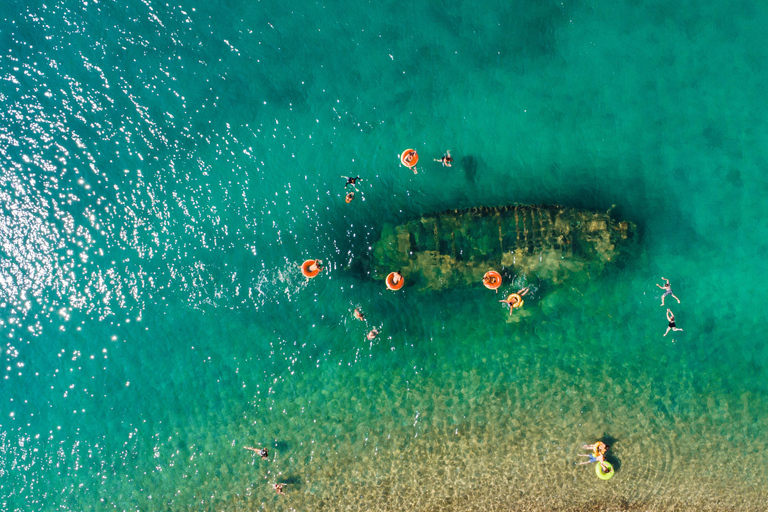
column 492, row 279
column 310, row 273
column 391, row 282
column 517, row 304
column 409, row 158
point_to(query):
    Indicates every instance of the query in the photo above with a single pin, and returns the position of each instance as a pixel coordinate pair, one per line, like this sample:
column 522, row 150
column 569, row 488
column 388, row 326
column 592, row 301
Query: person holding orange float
column 492, row 280
column 395, row 281
column 310, row 268
column 410, row 158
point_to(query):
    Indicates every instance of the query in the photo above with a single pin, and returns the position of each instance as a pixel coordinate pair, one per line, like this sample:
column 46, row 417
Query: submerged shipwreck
column 457, row 247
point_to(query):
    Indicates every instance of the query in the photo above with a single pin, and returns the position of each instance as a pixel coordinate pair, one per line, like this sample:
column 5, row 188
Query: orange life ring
column 492, row 279
column 310, row 273
column 517, row 304
column 391, row 282
column 409, row 158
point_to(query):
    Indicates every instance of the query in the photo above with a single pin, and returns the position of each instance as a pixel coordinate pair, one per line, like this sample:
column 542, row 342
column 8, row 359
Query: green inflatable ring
column 600, row 474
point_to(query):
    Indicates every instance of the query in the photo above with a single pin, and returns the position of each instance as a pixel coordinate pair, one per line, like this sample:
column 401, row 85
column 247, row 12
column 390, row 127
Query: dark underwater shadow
column 280, row 445
column 470, row 165
column 293, row 480
column 611, row 457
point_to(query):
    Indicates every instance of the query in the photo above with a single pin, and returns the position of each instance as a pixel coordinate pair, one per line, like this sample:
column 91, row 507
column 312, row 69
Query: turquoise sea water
column 165, row 169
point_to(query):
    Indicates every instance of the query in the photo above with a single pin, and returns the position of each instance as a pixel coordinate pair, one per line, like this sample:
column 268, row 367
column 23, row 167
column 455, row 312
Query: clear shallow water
column 165, row 168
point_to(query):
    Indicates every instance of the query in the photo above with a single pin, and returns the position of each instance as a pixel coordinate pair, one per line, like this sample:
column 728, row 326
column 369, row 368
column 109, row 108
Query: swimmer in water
column 350, row 197
column 512, row 302
column 358, row 314
column 263, row 452
column 351, row 181
column 315, row 266
column 597, row 455
column 446, row 160
column 671, row 319
column 667, row 291
column 409, row 158
column 491, row 280
column 279, row 488
column 599, row 448
column 396, row 278
column 592, row 458
column 372, row 335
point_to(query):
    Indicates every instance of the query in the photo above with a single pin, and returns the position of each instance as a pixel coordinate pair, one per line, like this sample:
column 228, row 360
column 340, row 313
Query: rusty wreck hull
column 456, row 247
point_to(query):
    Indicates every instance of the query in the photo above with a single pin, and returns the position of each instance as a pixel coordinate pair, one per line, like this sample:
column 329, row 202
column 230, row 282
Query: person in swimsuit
column 350, row 197
column 279, row 488
column 351, row 181
column 592, row 458
column 599, row 448
column 409, row 157
column 315, row 266
column 671, row 320
column 358, row 314
column 372, row 335
column 597, row 455
column 490, row 280
column 263, row 452
column 396, row 278
column 667, row 291
column 446, row 160
column 513, row 301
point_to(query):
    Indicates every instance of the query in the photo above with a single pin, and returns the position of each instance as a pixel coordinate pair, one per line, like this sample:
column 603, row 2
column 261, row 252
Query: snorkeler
column 372, row 334
column 671, row 320
column 667, row 291
column 446, row 160
column 351, row 181
column 350, row 196
column 279, row 488
column 358, row 314
column 263, row 452
column 515, row 300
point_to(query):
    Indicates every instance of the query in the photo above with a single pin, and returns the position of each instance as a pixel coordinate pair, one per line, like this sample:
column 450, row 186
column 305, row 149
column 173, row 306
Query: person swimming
column 667, row 291
column 351, row 181
column 279, row 488
column 515, row 299
column 262, row 452
column 599, row 448
column 446, row 160
column 672, row 326
column 372, row 334
column 350, row 196
column 358, row 314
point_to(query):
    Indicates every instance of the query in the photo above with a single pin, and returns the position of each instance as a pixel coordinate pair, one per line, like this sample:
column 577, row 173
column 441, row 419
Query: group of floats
column 395, row 281
column 462, row 247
